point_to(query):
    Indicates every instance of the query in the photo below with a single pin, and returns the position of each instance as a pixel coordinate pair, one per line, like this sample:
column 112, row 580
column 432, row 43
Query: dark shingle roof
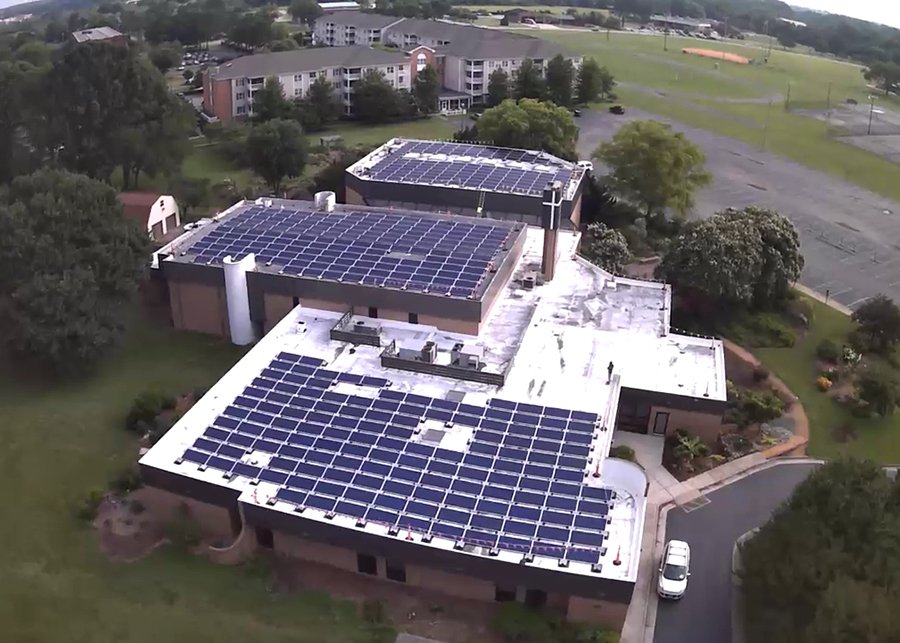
column 360, row 19
column 301, row 60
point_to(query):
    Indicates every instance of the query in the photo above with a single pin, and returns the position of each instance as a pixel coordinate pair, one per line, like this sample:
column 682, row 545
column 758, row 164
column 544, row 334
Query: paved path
column 704, row 614
column 850, row 236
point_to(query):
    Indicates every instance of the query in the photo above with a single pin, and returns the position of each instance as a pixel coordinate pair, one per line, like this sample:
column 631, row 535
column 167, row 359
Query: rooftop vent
column 528, row 282
column 429, row 352
column 325, row 201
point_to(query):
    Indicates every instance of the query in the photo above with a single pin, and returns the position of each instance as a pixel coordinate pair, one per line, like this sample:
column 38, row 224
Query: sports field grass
column 62, row 440
column 734, row 100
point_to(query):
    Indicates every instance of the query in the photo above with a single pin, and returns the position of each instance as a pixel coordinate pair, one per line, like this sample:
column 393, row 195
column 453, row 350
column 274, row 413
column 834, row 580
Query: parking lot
column 850, row 237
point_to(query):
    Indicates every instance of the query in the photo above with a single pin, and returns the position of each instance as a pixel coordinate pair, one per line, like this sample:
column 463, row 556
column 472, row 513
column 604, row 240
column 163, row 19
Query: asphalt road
column 850, row 237
column 704, row 614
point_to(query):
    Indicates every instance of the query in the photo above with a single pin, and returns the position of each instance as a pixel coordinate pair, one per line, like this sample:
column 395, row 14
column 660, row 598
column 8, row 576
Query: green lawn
column 61, row 441
column 878, row 439
column 501, row 8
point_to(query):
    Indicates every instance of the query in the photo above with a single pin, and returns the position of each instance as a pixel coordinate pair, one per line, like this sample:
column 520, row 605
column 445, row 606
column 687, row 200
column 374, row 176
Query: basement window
column 395, row 571
column 366, row 564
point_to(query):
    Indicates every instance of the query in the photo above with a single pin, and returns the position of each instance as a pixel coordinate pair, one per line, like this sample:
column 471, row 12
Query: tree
column 532, row 125
column 885, row 75
column 70, row 264
column 190, row 194
column 607, row 248
column 588, row 84
column 781, row 258
column 269, row 102
column 878, row 387
column 560, row 80
column 528, row 81
column 319, row 107
column 276, row 150
column 305, row 11
column 607, row 83
column 331, row 177
column 826, row 567
column 166, row 56
column 498, row 87
column 252, row 29
column 285, row 44
column 375, row 101
column 879, row 323
column 107, row 107
column 719, row 257
column 654, row 167
column 12, row 116
column 427, row 89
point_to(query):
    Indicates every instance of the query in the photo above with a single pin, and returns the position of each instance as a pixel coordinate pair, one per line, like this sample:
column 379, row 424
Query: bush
column 762, row 330
column 878, row 387
column 746, row 407
column 517, row 624
column 127, row 481
column 828, row 350
column 623, row 452
column 760, row 374
column 183, row 531
column 145, row 408
column 87, row 511
column 374, row 612
column 823, row 383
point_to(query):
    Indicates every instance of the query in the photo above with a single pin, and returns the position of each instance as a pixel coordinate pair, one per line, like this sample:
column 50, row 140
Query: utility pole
column 666, row 39
column 871, row 114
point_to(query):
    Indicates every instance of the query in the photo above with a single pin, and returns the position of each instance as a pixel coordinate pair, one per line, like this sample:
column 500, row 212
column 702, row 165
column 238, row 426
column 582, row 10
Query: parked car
column 618, row 110
column 475, row 116
column 674, row 570
column 576, row 112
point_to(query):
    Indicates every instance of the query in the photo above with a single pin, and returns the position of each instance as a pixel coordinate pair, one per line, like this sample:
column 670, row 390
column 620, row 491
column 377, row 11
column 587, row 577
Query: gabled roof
column 137, row 205
column 360, row 19
column 303, row 60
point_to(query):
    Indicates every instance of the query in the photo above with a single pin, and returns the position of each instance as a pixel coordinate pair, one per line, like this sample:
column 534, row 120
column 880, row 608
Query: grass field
column 61, row 441
column 877, row 438
column 734, row 100
column 502, row 8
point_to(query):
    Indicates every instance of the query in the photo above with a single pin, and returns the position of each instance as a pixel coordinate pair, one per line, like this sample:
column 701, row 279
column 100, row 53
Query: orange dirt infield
column 718, row 55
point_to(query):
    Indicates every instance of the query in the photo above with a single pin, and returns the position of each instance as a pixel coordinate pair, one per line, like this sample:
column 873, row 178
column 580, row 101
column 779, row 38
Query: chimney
column 550, row 220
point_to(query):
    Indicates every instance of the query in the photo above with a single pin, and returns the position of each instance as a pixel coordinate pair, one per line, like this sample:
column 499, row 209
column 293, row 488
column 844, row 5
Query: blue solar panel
column 357, row 457
column 463, row 165
column 444, row 256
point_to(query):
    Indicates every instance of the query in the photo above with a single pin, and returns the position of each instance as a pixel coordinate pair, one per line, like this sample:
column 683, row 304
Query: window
column 504, row 594
column 239, row 96
column 400, row 80
column 312, row 75
column 265, row 538
column 390, row 70
column 395, row 571
column 414, row 318
column 535, row 598
column 660, row 423
column 366, row 564
column 298, row 78
column 421, row 61
column 298, row 91
column 240, row 82
column 335, row 72
column 241, row 109
column 506, row 63
column 373, row 312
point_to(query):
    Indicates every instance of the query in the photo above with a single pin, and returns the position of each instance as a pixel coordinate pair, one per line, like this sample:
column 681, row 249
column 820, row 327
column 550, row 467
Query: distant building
column 100, row 34
column 515, row 16
column 155, row 213
column 676, row 22
column 228, row 89
column 793, row 23
column 338, row 6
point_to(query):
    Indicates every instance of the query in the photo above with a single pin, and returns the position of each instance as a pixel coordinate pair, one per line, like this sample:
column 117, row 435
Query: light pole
column 871, row 114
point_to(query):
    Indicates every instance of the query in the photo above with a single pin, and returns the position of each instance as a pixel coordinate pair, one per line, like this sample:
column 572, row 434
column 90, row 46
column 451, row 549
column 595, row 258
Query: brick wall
column 705, row 425
column 314, row 552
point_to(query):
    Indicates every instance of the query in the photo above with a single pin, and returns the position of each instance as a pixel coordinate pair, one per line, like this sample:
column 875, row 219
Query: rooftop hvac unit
column 528, row 282
column 325, row 201
column 429, row 352
column 366, row 328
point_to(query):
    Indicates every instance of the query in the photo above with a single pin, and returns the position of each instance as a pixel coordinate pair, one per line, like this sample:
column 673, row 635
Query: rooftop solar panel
column 464, row 165
column 445, row 256
column 360, row 460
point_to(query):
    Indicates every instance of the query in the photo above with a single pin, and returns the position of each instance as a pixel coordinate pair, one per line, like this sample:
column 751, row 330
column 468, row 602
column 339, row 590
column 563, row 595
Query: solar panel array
column 406, row 251
column 519, row 487
column 460, row 169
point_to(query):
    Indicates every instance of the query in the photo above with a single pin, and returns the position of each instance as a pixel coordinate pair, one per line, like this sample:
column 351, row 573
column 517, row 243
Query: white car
column 674, row 569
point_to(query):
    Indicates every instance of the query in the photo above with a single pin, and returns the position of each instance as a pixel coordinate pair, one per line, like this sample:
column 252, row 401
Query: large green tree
column 269, row 102
column 166, row 56
column 276, row 150
column 305, row 11
column 654, row 167
column 427, row 89
column 252, row 29
column 70, row 263
column 878, row 320
column 319, row 107
column 530, row 124
column 588, row 83
column 375, row 101
column 560, row 80
column 498, row 87
column 607, row 248
column 826, row 568
column 100, row 101
column 528, row 81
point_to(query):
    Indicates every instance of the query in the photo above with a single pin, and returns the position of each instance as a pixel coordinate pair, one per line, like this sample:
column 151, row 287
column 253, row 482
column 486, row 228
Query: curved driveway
column 850, row 236
column 704, row 614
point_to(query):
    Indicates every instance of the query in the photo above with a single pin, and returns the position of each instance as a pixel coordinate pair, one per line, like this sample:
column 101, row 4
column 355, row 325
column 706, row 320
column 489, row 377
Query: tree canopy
column 528, row 81
column 607, row 248
column 654, row 167
column 70, row 263
column 276, row 150
column 375, row 101
column 879, row 323
column 319, row 107
column 427, row 89
column 588, row 83
column 741, row 257
column 560, row 80
column 305, row 11
column 269, row 102
column 498, row 87
column 532, row 125
column 826, row 568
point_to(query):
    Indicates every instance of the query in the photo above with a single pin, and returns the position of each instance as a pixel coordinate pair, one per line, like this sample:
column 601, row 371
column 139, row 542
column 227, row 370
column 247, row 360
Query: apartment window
column 366, row 564
column 390, row 70
column 239, row 96
column 241, row 109
column 298, row 91
column 414, row 318
column 506, row 63
column 298, row 78
column 239, row 82
column 312, row 75
column 400, row 79
column 395, row 571
column 504, row 594
column 335, row 72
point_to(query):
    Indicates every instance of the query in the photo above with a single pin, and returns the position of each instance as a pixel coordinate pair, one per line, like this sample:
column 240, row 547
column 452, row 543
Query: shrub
column 87, row 511
column 623, row 452
column 850, row 356
column 823, row 383
column 515, row 623
column 168, row 402
column 762, row 330
column 760, row 374
column 183, row 531
column 746, row 406
column 127, row 481
column 879, row 323
column 878, row 387
column 828, row 350
column 144, row 410
column 374, row 612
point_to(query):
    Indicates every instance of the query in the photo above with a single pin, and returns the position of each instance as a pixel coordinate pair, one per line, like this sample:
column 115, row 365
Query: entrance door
column 660, row 423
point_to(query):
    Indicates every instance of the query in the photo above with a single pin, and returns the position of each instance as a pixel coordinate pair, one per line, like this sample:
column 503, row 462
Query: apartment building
column 228, row 89
column 99, row 34
column 463, row 55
